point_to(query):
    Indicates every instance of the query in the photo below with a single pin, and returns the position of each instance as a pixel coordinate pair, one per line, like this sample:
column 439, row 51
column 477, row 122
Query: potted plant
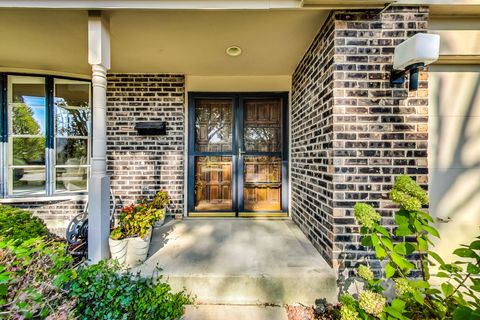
column 118, row 245
column 130, row 241
column 160, row 203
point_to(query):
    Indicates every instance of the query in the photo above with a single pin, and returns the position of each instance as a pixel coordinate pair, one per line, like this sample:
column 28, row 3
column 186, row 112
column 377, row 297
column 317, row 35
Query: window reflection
column 213, row 125
column 262, row 131
column 27, row 128
column 72, row 128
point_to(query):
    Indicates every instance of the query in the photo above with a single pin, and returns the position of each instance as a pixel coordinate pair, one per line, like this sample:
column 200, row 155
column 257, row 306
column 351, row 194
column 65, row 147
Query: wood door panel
column 262, row 190
column 213, row 183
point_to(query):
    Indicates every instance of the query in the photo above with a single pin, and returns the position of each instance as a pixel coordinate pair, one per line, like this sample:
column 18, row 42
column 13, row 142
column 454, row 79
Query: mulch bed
column 301, row 312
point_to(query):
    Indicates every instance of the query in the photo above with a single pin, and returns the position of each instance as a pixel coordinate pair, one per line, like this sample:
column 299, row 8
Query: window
column 46, row 135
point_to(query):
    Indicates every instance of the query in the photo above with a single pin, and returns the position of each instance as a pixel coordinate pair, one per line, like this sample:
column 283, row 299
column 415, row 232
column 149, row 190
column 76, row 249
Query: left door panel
column 211, row 156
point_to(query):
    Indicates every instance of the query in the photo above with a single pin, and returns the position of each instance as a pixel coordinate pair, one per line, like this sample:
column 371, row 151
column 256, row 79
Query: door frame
column 237, row 136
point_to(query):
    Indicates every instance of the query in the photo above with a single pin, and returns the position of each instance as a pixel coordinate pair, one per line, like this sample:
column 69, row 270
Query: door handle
column 240, row 152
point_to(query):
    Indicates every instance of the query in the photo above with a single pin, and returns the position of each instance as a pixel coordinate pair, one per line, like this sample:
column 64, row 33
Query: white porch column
column 99, row 184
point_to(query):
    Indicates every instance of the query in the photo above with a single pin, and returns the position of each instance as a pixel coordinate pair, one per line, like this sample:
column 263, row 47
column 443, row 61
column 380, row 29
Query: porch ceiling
column 188, row 42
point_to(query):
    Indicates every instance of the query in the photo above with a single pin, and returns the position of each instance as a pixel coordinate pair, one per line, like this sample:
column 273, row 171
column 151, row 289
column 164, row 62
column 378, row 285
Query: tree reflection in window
column 27, row 150
column 213, row 124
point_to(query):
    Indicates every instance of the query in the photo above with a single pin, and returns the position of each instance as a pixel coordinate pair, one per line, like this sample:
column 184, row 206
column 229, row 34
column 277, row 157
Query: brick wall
column 311, row 141
column 356, row 142
column 141, row 165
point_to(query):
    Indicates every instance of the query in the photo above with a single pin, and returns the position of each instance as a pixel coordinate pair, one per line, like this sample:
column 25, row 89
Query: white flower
column 365, row 273
column 372, row 302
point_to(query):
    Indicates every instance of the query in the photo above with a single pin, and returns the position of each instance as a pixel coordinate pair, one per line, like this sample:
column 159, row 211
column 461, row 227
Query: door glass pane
column 27, row 180
column 263, row 121
column 213, row 125
column 263, row 183
column 213, row 183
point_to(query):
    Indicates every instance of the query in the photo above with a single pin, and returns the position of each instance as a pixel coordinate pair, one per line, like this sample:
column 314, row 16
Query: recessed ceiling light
column 234, row 51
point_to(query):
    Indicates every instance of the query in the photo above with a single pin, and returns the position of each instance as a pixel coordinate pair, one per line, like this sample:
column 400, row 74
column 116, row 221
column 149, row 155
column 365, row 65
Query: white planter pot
column 137, row 249
column 159, row 223
column 118, row 249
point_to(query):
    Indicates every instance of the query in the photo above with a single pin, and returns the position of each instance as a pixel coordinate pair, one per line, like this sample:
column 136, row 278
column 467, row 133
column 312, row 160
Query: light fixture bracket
column 398, row 76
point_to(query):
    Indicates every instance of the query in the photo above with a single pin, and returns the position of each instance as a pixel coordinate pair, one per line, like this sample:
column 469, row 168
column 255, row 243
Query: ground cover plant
column 457, row 297
column 103, row 291
column 40, row 280
column 20, row 225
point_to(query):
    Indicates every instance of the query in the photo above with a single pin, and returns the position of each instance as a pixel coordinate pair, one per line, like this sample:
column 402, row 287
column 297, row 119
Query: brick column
column 352, row 133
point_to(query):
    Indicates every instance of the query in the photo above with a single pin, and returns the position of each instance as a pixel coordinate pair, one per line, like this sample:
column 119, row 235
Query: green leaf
column 425, row 216
column 409, row 247
column 402, row 217
column 442, row 274
column 394, row 312
column 382, row 230
column 400, row 248
column 475, row 287
column 465, row 313
column 398, row 304
column 447, row 289
column 435, row 256
column 374, row 240
column 418, row 225
column 473, row 269
column 465, row 253
column 417, row 295
column 387, row 243
column 432, row 231
column 401, row 262
column 366, row 241
column 420, row 284
column 403, row 231
column 422, row 244
column 380, row 252
column 475, row 245
column 389, row 270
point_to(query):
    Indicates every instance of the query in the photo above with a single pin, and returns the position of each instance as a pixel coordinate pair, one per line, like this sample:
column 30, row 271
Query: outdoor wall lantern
column 412, row 54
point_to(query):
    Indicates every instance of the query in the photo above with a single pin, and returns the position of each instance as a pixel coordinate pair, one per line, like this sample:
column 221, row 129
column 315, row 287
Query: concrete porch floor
column 240, row 261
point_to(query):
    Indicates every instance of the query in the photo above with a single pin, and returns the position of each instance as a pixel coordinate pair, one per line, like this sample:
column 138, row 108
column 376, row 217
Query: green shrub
column 20, row 225
column 456, row 298
column 32, row 276
column 103, row 291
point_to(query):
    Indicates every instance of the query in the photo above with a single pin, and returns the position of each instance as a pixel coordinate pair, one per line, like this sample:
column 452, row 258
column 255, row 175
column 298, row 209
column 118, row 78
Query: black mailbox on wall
column 158, row 128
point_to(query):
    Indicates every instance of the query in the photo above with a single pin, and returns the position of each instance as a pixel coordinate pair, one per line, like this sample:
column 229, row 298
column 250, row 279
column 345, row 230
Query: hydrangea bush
column 415, row 298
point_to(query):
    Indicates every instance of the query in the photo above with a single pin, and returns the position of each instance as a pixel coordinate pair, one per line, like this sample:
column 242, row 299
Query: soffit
column 188, row 42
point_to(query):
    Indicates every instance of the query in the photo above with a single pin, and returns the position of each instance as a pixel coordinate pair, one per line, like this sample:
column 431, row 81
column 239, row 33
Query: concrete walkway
column 240, row 261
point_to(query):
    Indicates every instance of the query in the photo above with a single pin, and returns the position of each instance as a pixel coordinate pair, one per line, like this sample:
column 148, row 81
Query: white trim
column 41, row 72
column 154, row 4
column 44, row 198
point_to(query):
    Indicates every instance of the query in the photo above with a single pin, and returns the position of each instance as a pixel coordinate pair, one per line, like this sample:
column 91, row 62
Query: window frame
column 50, row 138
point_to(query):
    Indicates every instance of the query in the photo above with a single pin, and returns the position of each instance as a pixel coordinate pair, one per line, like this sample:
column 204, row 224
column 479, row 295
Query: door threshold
column 252, row 215
column 263, row 214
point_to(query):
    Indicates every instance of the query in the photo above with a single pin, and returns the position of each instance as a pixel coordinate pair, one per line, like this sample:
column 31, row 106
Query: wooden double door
column 238, row 156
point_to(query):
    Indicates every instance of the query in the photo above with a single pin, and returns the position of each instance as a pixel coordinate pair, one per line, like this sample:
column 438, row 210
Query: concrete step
column 241, row 262
column 229, row 312
column 252, row 289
